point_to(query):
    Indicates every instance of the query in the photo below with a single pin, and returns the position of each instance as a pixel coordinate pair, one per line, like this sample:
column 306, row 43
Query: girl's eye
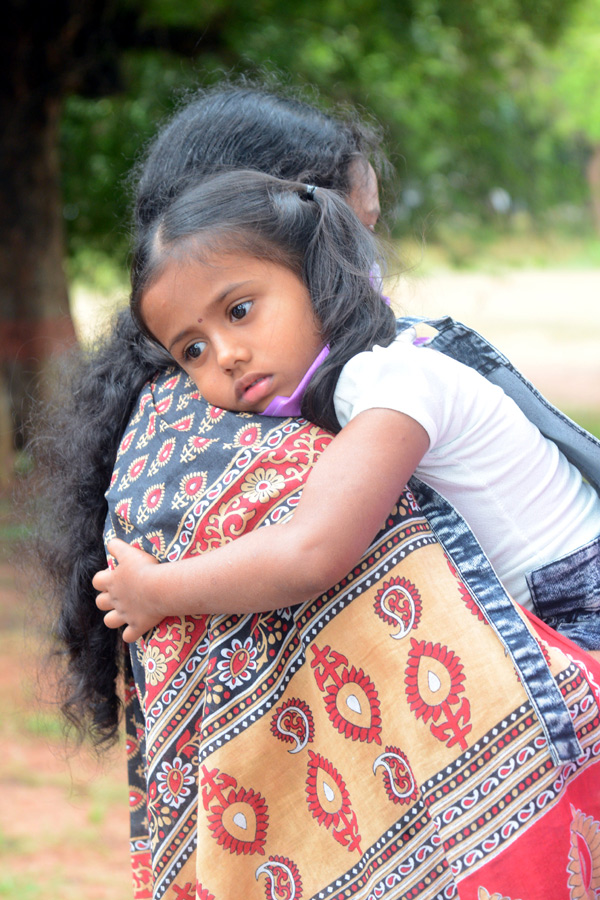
column 240, row 310
column 194, row 350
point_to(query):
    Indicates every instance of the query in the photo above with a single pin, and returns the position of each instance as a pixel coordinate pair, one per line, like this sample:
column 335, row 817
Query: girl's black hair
column 220, row 128
column 314, row 233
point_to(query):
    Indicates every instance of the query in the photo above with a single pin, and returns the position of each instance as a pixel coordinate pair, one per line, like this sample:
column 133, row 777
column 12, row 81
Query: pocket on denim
column 569, row 585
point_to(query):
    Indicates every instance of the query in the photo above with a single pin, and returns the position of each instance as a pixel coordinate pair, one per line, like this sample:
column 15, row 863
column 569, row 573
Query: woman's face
column 364, row 192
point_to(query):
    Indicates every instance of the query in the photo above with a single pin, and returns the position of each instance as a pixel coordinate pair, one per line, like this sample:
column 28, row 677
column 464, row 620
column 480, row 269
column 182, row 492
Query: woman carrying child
column 245, row 280
column 374, row 740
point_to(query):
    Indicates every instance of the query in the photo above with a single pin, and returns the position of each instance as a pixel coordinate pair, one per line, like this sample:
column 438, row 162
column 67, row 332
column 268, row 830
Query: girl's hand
column 126, row 593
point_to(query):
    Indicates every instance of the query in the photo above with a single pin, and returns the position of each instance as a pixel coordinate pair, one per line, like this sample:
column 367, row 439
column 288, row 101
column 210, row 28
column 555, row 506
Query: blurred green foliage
column 478, row 99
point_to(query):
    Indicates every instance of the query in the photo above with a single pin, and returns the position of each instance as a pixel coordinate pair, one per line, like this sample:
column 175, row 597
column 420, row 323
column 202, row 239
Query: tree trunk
column 35, row 323
column 593, row 177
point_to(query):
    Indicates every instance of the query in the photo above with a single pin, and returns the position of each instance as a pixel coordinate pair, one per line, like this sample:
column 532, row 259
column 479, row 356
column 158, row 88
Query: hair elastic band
column 309, row 192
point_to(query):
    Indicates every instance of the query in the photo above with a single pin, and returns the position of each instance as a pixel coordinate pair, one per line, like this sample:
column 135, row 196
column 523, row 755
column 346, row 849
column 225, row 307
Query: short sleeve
column 420, row 382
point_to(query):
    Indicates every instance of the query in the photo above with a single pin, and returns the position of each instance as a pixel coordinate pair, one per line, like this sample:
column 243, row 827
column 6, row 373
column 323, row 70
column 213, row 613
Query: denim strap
column 459, row 542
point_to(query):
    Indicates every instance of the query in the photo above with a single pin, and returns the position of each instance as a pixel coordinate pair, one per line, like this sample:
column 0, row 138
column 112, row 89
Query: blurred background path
column 546, row 321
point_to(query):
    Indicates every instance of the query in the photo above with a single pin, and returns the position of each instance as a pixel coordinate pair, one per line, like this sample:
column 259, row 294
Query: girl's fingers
column 104, row 602
column 100, row 578
column 113, row 619
column 115, row 547
column 130, row 635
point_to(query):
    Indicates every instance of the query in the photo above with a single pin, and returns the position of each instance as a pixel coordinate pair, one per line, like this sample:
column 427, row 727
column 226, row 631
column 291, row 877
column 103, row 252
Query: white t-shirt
column 526, row 504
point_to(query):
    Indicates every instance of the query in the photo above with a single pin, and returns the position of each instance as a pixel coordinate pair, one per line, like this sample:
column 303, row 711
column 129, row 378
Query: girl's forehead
column 208, row 272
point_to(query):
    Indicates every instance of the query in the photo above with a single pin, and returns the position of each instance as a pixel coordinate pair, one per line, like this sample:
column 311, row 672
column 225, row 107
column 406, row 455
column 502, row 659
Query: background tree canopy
column 478, row 99
column 452, row 82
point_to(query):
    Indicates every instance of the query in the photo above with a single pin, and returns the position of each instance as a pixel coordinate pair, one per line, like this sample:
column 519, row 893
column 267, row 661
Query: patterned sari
column 389, row 739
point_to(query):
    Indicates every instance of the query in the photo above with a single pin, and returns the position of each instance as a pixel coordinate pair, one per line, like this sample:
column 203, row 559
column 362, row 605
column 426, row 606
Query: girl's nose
column 231, row 352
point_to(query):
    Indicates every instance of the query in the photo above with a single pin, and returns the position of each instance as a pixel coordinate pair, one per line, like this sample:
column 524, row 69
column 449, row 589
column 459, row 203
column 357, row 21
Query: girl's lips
column 254, row 388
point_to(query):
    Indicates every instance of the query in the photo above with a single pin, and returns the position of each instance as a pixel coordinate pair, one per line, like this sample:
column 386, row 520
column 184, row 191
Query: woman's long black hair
column 217, row 129
column 312, row 232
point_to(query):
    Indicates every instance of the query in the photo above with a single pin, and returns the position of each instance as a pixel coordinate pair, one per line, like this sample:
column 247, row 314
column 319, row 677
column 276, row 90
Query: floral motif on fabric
column 126, row 442
column 400, row 784
column 163, row 406
column 162, row 457
column 584, row 857
column 200, row 894
column 283, row 880
column 434, row 678
column 398, row 603
column 156, row 539
column 175, row 781
column 123, row 514
column 149, row 432
column 248, row 436
column 151, row 501
column 262, row 485
column 237, row 663
column 190, row 487
column 483, row 894
column 194, row 446
column 212, row 415
column 350, row 697
column 329, row 801
column 465, row 594
column 134, row 470
column 293, row 722
column 155, row 665
column 238, row 818
column 185, row 423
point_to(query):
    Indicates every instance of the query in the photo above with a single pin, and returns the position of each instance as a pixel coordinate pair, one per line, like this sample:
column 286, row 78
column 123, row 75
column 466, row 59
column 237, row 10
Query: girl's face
column 242, row 328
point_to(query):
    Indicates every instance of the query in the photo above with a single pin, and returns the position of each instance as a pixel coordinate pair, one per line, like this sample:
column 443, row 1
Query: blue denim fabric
column 566, row 594
column 567, row 591
column 499, row 609
column 561, row 595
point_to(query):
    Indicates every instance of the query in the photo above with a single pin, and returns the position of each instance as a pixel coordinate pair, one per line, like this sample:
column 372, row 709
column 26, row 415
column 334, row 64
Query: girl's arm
column 347, row 496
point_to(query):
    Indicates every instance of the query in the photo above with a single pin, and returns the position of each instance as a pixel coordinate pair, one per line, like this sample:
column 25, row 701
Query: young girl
column 260, row 290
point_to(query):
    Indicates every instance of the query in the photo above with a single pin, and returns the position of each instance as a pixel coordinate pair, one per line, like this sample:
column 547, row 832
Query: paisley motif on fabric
column 248, row 436
column 190, row 487
column 151, row 501
column 194, row 447
column 329, row 801
column 293, row 722
column 199, row 894
column 465, row 594
column 283, row 880
column 237, row 818
column 434, row 679
column 398, row 603
column 184, row 424
column 134, row 470
column 157, row 541
column 398, row 777
column 162, row 457
column 350, row 697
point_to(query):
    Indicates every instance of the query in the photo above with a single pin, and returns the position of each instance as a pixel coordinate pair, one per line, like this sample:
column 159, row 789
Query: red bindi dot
column 200, row 320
